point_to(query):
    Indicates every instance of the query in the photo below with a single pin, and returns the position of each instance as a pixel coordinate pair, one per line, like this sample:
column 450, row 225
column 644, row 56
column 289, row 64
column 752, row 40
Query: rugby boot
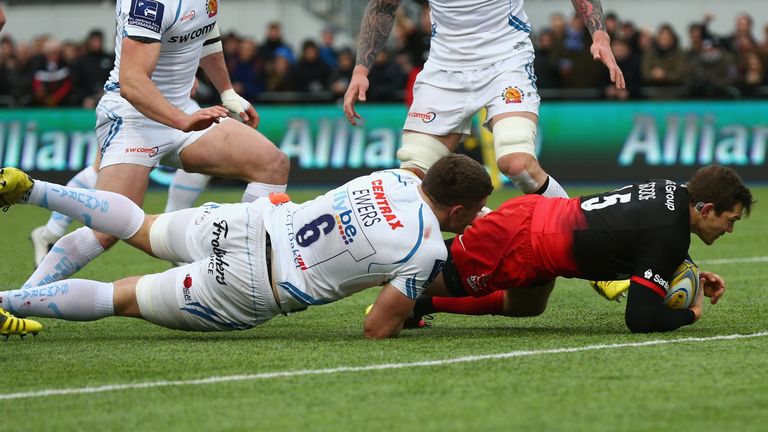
column 611, row 290
column 14, row 183
column 10, row 325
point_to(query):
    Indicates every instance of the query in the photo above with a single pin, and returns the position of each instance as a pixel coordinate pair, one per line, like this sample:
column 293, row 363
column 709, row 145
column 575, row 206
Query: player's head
column 457, row 187
column 717, row 199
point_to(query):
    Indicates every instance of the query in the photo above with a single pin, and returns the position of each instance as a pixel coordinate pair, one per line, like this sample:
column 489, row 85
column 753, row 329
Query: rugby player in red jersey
column 506, row 262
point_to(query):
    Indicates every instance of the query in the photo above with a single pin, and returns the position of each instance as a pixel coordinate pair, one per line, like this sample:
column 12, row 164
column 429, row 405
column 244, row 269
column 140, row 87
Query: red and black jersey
column 641, row 231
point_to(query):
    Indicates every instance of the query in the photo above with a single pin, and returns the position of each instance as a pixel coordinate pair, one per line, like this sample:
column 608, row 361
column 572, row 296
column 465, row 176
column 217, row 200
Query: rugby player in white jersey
column 253, row 261
column 146, row 115
column 480, row 56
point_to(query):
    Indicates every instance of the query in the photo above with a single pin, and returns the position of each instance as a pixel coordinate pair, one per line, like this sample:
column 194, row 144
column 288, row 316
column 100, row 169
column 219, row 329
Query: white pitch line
column 759, row 259
column 375, row 367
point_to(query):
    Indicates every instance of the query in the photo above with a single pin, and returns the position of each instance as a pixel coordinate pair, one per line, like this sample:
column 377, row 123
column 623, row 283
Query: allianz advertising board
column 577, row 142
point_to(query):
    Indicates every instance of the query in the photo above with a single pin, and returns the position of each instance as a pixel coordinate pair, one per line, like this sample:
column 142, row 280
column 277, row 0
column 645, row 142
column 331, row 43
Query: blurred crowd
column 657, row 64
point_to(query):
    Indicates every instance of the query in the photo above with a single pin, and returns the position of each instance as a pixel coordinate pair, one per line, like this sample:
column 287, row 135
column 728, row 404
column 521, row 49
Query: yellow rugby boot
column 14, row 183
column 10, row 325
column 611, row 290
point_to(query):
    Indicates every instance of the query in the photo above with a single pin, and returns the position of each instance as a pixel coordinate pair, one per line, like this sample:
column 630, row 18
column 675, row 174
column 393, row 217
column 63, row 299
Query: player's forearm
column 141, row 92
column 647, row 313
column 215, row 68
column 377, row 24
column 591, row 12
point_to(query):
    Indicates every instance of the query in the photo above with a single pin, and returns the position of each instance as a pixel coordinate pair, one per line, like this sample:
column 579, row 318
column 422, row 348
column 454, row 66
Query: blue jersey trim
column 178, row 13
column 301, row 296
column 420, row 236
column 114, row 129
column 519, row 24
column 209, row 314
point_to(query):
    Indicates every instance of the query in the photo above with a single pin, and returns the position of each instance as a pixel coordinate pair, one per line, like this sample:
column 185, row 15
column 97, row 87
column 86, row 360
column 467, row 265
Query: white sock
column 554, row 189
column 68, row 255
column 107, row 212
column 71, row 299
column 257, row 190
column 184, row 190
column 58, row 223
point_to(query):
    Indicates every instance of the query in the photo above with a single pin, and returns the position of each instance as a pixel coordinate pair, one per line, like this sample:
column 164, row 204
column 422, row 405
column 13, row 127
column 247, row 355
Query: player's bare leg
column 235, row 150
column 514, row 136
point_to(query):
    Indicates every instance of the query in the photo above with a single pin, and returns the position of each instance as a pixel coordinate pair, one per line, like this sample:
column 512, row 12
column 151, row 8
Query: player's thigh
column 442, row 105
column 510, row 87
column 232, row 149
column 190, row 298
column 527, row 302
column 126, row 179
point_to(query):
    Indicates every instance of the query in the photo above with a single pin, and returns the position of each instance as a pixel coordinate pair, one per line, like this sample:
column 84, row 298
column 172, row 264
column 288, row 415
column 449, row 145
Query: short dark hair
column 457, row 179
column 719, row 185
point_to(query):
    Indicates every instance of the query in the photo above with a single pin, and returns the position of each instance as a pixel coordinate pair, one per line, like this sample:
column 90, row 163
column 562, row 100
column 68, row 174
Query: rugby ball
column 684, row 286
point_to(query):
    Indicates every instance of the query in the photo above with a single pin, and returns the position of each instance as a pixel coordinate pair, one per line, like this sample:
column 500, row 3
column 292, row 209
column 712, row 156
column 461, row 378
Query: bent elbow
column 377, row 332
column 637, row 324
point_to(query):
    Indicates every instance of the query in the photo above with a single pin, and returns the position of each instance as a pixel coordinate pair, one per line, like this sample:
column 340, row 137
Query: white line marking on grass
column 759, row 259
column 375, row 367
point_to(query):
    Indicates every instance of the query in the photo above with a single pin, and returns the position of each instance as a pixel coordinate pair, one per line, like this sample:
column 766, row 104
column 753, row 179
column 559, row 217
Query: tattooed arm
column 591, row 12
column 375, row 29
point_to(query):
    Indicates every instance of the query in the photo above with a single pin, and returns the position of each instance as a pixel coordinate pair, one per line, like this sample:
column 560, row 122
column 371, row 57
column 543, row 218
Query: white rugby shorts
column 227, row 286
column 445, row 101
column 127, row 136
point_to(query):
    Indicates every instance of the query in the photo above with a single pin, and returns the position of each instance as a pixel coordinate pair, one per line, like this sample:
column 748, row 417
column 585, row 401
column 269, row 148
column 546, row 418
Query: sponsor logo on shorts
column 217, row 262
column 518, row 45
column 150, row 151
column 212, row 7
column 427, row 117
column 380, row 197
column 512, row 94
column 477, row 283
column 186, row 288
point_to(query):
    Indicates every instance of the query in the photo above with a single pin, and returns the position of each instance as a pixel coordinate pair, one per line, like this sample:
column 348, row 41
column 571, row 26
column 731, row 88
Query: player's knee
column 420, row 151
column 105, row 240
column 514, row 141
column 272, row 167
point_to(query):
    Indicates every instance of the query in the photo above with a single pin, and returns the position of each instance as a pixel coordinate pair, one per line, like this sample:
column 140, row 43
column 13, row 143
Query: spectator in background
column 327, row 52
column 545, row 62
column 414, row 41
column 753, row 75
column 341, row 76
column 51, row 82
column 612, row 25
column 246, row 70
column 2, row 18
column 386, row 79
column 230, row 44
column 629, row 62
column 90, row 72
column 576, row 65
column 696, row 34
column 713, row 72
column 273, row 42
column 312, row 72
column 557, row 26
column 742, row 35
column 664, row 63
column 16, row 71
column 281, row 75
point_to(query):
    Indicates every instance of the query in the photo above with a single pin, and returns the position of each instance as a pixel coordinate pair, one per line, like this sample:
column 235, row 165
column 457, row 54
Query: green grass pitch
column 701, row 385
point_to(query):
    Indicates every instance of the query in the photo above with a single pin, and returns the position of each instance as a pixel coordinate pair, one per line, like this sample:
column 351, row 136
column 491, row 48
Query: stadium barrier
column 577, row 142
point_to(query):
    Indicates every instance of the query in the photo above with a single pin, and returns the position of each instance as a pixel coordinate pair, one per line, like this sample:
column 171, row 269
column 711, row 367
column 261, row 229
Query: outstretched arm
column 374, row 31
column 591, row 12
column 388, row 313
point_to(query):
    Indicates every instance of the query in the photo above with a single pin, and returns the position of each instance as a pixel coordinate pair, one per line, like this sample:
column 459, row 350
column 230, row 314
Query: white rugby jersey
column 181, row 26
column 373, row 230
column 469, row 34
